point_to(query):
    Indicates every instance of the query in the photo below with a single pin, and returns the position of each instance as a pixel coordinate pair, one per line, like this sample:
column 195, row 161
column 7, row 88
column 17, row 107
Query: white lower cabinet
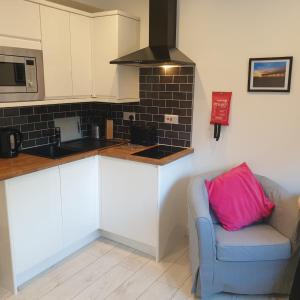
column 34, row 212
column 129, row 198
column 80, row 203
column 44, row 217
column 144, row 205
column 47, row 215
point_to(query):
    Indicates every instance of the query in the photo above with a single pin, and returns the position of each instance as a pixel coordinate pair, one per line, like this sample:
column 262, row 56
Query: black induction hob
column 159, row 151
column 69, row 148
column 87, row 144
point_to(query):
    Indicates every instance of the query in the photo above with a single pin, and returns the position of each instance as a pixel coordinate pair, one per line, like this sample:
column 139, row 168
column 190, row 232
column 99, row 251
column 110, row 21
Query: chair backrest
column 210, row 176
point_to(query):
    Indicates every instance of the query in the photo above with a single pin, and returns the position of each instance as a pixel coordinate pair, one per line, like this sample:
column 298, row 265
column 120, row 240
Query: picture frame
column 270, row 74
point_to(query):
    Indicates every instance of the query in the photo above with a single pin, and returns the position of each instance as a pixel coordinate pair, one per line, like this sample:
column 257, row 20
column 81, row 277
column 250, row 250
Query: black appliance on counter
column 143, row 135
column 10, row 142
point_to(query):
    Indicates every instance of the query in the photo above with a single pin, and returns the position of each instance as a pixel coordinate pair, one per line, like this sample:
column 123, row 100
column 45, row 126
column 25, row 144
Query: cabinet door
column 57, row 52
column 115, row 36
column 20, row 19
column 80, row 203
column 105, row 49
column 129, row 199
column 81, row 54
column 34, row 209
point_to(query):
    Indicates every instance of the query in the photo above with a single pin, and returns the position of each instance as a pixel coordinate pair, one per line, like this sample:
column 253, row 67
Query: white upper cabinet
column 77, row 48
column 66, row 42
column 56, row 46
column 20, row 19
column 113, row 36
column 81, row 54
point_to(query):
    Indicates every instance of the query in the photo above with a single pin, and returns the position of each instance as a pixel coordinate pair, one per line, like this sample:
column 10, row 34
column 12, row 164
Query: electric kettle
column 10, row 142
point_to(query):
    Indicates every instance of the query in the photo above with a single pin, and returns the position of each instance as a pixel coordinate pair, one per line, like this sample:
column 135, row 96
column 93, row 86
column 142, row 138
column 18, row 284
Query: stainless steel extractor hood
column 162, row 39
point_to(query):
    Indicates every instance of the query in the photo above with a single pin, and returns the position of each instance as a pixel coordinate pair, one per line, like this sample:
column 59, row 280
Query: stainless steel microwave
column 21, row 75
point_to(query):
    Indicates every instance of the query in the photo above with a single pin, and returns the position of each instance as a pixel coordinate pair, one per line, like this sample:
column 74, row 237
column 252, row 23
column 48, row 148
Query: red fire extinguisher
column 220, row 111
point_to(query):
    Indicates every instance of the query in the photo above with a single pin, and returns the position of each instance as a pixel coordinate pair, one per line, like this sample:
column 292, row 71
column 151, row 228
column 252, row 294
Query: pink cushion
column 237, row 198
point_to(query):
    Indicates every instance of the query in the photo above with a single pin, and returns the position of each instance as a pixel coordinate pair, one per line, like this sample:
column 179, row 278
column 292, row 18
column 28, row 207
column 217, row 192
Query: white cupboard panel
column 80, row 202
column 129, row 198
column 57, row 52
column 21, row 19
column 81, row 54
column 128, row 41
column 20, row 43
column 105, row 49
column 115, row 36
column 34, row 209
column 128, row 35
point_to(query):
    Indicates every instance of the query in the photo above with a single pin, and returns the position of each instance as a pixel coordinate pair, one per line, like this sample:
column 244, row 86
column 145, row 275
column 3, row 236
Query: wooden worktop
column 25, row 163
column 125, row 151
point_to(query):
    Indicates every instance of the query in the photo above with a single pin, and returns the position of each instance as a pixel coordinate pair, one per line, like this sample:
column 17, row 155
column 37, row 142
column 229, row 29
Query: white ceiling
column 85, row 5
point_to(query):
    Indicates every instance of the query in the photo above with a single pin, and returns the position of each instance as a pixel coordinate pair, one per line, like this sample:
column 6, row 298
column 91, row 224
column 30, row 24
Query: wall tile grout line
column 37, row 122
column 156, row 102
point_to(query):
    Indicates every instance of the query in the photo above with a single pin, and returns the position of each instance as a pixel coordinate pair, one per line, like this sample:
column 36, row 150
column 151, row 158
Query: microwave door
column 12, row 74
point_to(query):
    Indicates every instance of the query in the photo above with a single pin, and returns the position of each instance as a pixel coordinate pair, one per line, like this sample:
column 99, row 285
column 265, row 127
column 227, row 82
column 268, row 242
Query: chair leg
column 295, row 292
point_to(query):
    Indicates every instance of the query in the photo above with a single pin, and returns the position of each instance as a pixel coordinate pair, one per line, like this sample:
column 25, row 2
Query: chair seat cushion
column 255, row 243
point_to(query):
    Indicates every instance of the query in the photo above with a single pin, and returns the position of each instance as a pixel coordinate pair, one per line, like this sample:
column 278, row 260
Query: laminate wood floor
column 107, row 270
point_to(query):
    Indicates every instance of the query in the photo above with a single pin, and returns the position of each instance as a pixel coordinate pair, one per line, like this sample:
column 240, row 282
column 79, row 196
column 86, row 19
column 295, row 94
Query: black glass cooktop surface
column 88, row 144
column 159, row 151
column 69, row 148
column 49, row 151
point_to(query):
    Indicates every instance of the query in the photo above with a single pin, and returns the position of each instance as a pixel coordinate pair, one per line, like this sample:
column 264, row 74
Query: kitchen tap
column 57, row 137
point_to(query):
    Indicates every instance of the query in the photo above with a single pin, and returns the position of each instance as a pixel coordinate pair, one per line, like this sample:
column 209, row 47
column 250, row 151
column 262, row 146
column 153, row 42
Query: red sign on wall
column 220, row 108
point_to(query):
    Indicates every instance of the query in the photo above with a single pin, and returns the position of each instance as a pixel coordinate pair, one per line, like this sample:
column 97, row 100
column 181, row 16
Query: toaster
column 143, row 135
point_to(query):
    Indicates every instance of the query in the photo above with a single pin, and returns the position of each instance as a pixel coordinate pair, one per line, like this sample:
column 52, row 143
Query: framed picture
column 270, row 74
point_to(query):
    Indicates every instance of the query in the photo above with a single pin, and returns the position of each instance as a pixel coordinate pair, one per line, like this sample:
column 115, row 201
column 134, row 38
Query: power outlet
column 171, row 119
column 126, row 116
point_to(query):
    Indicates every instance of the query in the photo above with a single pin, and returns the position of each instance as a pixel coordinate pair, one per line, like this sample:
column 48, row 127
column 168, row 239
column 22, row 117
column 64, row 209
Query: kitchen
column 70, row 103
column 120, row 120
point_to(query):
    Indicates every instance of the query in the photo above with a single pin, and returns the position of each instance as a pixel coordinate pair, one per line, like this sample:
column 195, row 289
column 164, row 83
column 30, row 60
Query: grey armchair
column 259, row 259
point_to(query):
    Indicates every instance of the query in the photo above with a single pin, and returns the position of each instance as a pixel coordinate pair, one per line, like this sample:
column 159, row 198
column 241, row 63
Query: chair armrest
column 286, row 219
column 198, row 199
column 201, row 237
column 200, row 218
column 286, row 215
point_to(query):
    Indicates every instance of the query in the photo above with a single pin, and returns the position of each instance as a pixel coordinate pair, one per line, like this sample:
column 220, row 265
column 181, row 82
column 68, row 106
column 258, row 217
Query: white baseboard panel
column 50, row 262
column 150, row 250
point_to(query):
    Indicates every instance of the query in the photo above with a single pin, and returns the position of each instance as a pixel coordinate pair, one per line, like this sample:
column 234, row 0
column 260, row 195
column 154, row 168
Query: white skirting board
column 130, row 243
column 29, row 275
column 44, row 266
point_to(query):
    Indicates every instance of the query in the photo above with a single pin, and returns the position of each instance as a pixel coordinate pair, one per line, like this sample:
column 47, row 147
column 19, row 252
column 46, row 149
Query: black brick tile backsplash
column 37, row 122
column 162, row 91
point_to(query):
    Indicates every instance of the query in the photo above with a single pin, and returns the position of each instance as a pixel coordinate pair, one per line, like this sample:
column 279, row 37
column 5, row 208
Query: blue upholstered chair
column 260, row 259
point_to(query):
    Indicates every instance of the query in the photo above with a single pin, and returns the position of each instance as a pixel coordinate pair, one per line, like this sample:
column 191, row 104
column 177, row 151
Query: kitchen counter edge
column 25, row 164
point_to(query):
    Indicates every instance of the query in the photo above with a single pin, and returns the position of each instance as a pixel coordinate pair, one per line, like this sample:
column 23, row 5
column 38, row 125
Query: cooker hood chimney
column 162, row 49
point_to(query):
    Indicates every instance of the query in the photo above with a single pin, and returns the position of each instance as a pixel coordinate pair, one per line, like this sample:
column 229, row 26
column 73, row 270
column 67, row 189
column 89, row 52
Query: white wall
column 265, row 128
column 220, row 36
